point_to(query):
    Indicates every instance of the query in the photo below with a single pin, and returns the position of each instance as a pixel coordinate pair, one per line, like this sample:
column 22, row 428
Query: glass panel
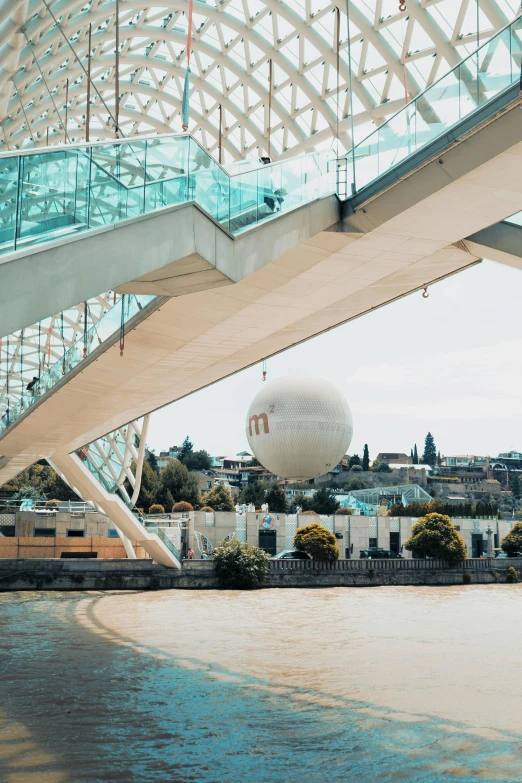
column 107, row 327
column 486, row 73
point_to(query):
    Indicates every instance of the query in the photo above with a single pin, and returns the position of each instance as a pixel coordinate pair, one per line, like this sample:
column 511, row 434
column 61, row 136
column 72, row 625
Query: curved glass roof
column 393, row 57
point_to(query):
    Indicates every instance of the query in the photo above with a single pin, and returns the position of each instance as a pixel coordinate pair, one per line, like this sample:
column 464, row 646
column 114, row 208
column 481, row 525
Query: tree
column 512, row 543
column 354, row 460
column 411, row 455
column 398, row 510
column 439, row 459
column 150, row 457
column 366, row 458
column 149, row 485
column 354, row 484
column 416, row 509
column 325, row 502
column 317, row 541
column 240, row 566
column 219, row 498
column 44, row 480
column 186, row 448
column 175, row 484
column 197, row 460
column 514, row 483
column 415, row 455
column 276, row 499
column 28, row 492
column 435, row 535
column 382, row 467
column 430, row 453
column 254, row 493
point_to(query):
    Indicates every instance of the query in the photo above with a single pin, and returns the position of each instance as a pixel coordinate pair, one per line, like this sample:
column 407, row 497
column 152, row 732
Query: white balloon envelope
column 299, row 427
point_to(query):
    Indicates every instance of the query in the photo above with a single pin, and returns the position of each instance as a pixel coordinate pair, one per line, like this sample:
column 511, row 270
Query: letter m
column 255, row 421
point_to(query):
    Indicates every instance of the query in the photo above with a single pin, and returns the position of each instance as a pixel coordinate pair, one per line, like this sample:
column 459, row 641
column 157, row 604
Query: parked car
column 291, row 554
column 375, row 553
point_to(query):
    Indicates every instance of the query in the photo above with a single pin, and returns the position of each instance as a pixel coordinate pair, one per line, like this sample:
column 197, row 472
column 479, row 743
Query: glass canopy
column 392, row 57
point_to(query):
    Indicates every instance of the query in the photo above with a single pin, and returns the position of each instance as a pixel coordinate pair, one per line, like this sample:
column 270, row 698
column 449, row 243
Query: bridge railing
column 49, row 194
column 482, row 76
column 400, row 564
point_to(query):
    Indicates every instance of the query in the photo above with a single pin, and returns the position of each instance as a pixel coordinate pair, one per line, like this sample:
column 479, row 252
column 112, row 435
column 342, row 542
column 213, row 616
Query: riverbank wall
column 56, row 574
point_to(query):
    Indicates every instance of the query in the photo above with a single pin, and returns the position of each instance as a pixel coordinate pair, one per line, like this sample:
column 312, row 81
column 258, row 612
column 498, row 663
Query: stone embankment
column 51, row 574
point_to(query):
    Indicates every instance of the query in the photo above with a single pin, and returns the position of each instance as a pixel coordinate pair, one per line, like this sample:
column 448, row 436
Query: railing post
column 18, row 216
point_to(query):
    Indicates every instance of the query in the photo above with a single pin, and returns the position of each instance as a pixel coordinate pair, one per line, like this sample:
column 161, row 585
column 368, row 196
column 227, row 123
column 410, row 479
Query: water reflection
column 392, row 683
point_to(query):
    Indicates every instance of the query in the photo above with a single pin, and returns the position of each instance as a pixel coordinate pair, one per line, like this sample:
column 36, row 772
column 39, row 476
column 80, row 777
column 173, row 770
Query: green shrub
column 156, row 508
column 308, row 512
column 182, row 505
column 318, row 542
column 240, row 566
column 466, row 578
column 512, row 543
column 435, row 535
column 347, row 512
column 513, row 576
column 52, row 503
column 207, row 508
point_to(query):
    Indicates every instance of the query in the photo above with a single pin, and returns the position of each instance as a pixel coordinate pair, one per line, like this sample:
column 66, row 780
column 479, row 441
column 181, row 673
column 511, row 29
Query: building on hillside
column 292, row 491
column 164, row 456
column 250, row 473
column 394, row 458
column 459, row 461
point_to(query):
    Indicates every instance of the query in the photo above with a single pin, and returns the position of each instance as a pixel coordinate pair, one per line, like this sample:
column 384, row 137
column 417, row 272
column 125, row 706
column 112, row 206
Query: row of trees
column 258, row 492
column 39, row 483
column 175, row 483
column 439, row 506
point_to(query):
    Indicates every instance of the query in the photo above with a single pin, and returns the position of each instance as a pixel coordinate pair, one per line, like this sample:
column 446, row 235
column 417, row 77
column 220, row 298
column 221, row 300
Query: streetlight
column 489, row 534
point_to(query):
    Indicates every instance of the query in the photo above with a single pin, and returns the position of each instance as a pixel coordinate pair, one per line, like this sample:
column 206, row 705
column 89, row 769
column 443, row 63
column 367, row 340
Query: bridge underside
column 274, row 287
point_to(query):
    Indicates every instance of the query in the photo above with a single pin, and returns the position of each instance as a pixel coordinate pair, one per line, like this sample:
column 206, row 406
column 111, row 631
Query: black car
column 291, row 554
column 375, row 553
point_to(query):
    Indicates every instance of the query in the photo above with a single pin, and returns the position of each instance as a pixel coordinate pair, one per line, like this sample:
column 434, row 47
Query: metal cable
column 69, row 44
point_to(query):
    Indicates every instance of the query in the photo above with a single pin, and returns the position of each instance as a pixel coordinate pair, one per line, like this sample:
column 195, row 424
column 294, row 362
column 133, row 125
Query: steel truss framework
column 393, row 56
column 118, row 457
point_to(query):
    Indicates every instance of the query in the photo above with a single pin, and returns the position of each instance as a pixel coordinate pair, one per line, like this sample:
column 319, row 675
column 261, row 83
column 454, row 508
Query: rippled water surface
column 294, row 686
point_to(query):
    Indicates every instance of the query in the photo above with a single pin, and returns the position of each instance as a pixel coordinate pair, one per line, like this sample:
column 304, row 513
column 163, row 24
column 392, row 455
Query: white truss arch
column 394, row 57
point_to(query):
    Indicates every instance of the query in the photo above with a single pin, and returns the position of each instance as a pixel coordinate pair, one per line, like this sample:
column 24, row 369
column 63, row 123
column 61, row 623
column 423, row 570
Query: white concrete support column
column 80, row 476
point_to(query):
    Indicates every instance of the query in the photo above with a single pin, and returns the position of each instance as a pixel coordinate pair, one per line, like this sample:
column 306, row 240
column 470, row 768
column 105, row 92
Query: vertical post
column 117, row 73
column 66, row 110
column 337, row 65
column 220, row 135
column 351, row 98
column 47, row 137
column 88, row 113
column 270, row 75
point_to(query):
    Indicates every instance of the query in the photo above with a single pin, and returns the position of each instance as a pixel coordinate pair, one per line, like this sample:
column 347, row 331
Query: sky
column 450, row 364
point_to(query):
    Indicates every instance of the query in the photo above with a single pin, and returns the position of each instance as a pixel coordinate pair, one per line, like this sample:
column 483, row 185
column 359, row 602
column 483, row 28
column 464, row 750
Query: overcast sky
column 451, row 364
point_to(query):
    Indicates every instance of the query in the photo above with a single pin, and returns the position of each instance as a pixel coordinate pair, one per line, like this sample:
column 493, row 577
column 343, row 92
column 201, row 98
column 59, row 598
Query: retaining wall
column 50, row 574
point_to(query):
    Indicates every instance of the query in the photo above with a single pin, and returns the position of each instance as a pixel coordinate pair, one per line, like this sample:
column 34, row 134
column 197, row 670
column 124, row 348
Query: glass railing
column 485, row 74
column 153, row 528
column 48, row 195
column 107, row 327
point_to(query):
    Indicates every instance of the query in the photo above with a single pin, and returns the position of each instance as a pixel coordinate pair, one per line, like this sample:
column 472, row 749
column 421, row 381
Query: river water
column 294, row 686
